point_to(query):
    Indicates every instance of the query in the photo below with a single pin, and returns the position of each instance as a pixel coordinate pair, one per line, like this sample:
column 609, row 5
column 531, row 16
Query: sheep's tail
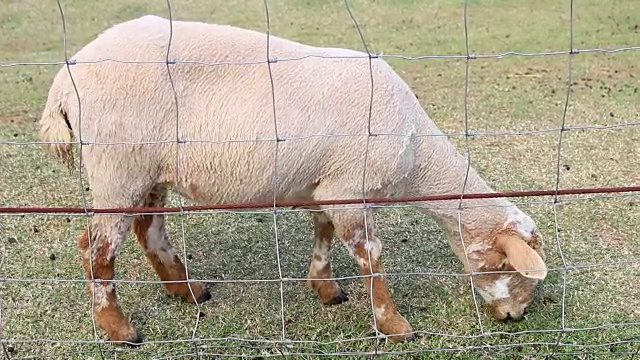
column 55, row 127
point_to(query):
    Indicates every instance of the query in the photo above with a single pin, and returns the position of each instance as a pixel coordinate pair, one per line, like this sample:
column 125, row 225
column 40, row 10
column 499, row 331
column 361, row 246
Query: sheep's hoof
column 396, row 325
column 133, row 342
column 205, row 295
column 338, row 299
column 401, row 338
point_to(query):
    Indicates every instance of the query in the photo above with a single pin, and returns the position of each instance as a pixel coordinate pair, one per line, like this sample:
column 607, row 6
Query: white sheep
column 219, row 108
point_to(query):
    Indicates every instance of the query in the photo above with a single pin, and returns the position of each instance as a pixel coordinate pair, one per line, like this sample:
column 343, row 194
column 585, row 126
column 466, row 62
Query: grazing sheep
column 127, row 103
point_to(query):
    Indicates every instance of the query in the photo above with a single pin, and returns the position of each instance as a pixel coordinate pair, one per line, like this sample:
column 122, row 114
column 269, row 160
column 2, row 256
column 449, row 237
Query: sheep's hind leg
column 151, row 233
column 99, row 245
column 365, row 248
column 329, row 292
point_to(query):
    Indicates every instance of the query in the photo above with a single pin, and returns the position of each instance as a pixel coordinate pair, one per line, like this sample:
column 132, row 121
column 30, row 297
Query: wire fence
column 201, row 345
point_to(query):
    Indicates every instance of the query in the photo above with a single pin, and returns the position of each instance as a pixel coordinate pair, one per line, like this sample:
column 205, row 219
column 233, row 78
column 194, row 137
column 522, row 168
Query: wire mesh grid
column 205, row 346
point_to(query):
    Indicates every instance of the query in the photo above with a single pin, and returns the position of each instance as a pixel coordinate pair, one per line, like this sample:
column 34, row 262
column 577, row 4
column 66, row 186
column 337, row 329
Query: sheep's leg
column 366, row 248
column 152, row 237
column 328, row 291
column 99, row 246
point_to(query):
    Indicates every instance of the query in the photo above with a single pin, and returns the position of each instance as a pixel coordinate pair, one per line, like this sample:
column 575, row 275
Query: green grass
column 509, row 94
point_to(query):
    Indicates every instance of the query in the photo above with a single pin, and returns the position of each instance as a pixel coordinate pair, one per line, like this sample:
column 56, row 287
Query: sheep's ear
column 522, row 257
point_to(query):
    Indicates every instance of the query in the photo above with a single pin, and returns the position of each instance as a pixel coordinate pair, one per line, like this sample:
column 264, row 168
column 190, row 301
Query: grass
column 50, row 319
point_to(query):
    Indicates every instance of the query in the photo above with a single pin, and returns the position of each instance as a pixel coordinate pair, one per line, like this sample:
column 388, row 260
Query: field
column 597, row 237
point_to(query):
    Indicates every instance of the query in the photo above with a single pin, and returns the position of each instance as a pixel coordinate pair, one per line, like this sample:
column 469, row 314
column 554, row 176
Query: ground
column 42, row 315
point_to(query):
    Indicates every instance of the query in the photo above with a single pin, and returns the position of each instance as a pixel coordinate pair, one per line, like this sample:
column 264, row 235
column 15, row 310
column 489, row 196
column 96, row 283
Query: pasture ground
column 46, row 318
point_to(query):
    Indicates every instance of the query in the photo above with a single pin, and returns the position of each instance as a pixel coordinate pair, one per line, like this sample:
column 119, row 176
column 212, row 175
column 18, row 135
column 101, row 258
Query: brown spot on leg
column 388, row 319
column 329, row 292
column 107, row 311
column 152, row 237
column 366, row 249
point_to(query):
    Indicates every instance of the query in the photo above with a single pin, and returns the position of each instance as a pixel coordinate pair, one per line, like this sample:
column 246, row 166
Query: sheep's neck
column 443, row 171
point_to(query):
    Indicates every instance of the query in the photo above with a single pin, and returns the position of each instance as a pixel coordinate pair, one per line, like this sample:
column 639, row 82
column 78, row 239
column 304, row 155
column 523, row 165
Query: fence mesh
column 560, row 341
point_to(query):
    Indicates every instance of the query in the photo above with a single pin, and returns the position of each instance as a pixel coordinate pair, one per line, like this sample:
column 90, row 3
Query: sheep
column 132, row 108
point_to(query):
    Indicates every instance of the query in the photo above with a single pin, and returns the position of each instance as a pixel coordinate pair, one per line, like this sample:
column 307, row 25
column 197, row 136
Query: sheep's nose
column 514, row 318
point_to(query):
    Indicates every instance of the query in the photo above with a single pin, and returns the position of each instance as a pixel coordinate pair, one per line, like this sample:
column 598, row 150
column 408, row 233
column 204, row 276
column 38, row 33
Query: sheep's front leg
column 98, row 259
column 366, row 249
column 152, row 237
column 328, row 291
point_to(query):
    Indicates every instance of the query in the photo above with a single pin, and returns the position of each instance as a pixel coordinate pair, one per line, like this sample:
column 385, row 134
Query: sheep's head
column 515, row 265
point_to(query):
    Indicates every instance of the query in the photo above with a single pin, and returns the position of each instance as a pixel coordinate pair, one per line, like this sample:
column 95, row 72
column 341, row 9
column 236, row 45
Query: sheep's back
column 317, row 105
